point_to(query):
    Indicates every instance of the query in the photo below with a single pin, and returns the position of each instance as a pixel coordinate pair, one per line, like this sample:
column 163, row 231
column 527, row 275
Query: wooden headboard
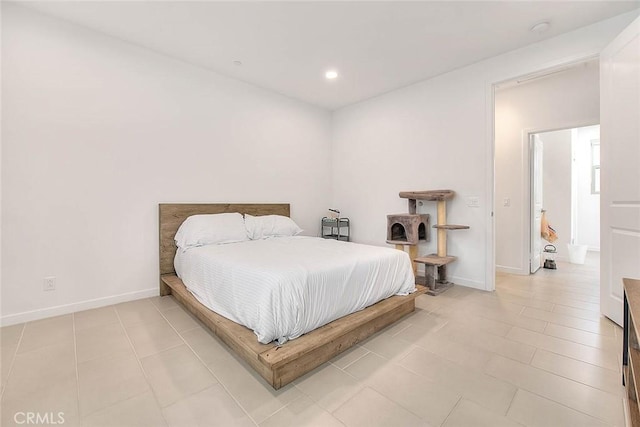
column 172, row 215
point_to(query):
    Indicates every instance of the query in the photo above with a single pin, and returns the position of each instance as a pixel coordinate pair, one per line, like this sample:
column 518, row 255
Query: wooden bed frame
column 279, row 365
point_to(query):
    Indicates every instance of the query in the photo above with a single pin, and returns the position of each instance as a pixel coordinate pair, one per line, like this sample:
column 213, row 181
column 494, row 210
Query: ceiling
column 375, row 46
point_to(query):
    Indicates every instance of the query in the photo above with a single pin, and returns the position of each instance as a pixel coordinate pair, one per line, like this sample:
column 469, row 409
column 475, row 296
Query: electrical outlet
column 49, row 284
column 506, row 202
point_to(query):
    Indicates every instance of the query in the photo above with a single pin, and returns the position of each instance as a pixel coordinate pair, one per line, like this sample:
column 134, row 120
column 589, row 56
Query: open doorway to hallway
column 563, row 98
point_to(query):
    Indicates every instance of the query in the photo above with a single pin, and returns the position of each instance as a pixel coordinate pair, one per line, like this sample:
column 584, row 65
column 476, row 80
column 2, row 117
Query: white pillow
column 262, row 227
column 200, row 230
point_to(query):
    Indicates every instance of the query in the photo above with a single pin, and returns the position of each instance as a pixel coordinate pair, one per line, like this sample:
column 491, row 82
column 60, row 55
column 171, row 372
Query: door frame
column 531, row 147
column 527, row 192
column 490, row 91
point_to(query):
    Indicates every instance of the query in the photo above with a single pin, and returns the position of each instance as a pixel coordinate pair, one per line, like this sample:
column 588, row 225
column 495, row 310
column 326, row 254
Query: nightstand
column 335, row 228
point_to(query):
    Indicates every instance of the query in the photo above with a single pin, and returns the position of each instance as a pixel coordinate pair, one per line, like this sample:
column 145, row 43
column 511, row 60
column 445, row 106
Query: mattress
column 284, row 287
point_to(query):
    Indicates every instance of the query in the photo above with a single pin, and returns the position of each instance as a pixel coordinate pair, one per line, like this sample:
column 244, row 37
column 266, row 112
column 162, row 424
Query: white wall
column 564, row 100
column 556, row 187
column 437, row 134
column 587, row 215
column 96, row 132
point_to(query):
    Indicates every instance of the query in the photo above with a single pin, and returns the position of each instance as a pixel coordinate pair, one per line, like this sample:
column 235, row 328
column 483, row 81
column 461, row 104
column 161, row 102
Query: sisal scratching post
column 442, row 233
column 413, row 254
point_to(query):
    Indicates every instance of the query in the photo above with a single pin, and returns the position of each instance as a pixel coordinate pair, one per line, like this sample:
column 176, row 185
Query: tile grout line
column 555, row 401
column 513, row 398
column 572, row 327
column 605, row 337
column 565, row 406
column 365, row 385
column 119, row 322
column 555, row 304
column 564, row 355
column 353, row 361
column 546, row 325
column 146, row 378
column 75, row 355
column 452, row 410
column 13, row 359
column 573, row 379
column 291, row 402
column 348, row 374
column 203, row 363
column 404, row 329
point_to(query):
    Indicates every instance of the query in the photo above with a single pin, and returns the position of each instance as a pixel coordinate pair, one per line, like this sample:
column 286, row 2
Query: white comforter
column 284, row 287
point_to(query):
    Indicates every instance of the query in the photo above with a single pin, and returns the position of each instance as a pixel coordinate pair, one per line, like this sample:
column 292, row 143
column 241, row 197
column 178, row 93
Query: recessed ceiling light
column 540, row 27
column 238, row 63
column 331, row 74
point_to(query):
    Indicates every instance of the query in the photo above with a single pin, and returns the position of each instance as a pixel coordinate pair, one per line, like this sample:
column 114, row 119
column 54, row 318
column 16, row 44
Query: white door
column 620, row 167
column 536, row 203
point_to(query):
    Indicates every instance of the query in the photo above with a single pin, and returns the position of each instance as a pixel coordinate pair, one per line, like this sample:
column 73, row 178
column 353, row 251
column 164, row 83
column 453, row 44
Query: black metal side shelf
column 335, row 228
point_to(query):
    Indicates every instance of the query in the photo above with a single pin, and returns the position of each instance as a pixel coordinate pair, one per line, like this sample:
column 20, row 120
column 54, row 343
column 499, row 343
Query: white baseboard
column 43, row 313
column 476, row 284
column 511, row 270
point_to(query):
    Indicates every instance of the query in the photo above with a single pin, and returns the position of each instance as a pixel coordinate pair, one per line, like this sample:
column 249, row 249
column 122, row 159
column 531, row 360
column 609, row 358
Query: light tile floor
column 536, row 353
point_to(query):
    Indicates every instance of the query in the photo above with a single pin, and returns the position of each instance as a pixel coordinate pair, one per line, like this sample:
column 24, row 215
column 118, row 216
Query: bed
column 277, row 364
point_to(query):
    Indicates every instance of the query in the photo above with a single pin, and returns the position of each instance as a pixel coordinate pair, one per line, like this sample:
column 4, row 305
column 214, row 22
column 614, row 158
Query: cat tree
column 410, row 229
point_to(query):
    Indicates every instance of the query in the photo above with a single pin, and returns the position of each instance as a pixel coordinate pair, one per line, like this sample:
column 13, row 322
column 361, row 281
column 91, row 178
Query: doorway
column 565, row 192
column 546, row 101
